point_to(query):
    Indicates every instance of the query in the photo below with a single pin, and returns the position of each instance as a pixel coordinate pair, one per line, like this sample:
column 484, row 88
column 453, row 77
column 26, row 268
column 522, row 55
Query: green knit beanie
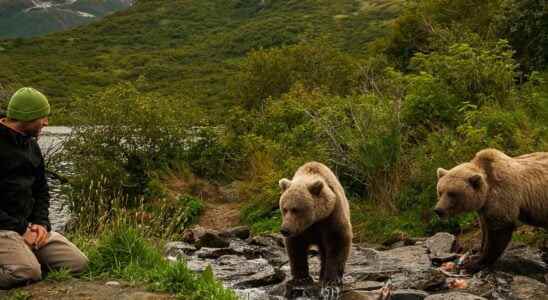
column 28, row 104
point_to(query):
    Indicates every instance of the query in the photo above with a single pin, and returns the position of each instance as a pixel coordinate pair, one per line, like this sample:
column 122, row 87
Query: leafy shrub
column 125, row 134
column 271, row 73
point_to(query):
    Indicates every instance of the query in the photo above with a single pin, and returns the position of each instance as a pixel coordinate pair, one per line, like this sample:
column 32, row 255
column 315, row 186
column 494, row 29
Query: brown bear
column 315, row 212
column 503, row 190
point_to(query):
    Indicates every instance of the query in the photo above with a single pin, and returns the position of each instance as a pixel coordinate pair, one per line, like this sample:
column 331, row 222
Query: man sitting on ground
column 27, row 244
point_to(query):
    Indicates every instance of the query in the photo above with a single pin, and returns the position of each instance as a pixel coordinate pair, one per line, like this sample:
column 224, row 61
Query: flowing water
column 51, row 141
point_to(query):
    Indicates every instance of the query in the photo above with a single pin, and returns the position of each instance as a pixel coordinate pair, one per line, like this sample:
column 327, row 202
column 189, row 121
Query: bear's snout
column 285, row 232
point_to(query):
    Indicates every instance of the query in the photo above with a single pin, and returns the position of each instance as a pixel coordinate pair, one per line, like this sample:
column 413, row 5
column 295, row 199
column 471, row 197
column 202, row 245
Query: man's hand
column 41, row 235
column 30, row 238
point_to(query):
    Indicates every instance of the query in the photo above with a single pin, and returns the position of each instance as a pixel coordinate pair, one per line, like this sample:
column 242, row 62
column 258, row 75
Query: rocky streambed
column 257, row 268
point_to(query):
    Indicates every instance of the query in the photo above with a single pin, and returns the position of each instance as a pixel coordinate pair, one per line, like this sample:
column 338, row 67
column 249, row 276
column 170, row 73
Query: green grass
column 59, row 275
column 18, row 295
column 125, row 254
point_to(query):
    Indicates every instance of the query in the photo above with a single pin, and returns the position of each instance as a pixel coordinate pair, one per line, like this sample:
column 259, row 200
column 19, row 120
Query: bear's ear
column 316, row 187
column 442, row 172
column 475, row 181
column 284, row 184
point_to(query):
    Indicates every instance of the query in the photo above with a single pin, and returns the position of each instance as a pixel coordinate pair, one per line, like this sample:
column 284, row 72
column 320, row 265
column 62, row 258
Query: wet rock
column 256, row 294
column 311, row 291
column 367, row 285
column 454, row 296
column 361, row 295
column 448, row 257
column 269, row 240
column 407, row 267
column 522, row 260
column 408, row 295
column 238, row 271
column 194, row 234
column 258, row 267
column 211, row 240
column 241, row 232
column 440, row 246
column 272, row 248
column 112, row 283
column 493, row 285
column 528, row 288
column 215, row 253
column 177, row 250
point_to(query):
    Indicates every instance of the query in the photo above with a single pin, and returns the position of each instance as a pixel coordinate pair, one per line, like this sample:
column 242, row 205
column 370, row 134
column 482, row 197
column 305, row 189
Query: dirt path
column 81, row 290
column 220, row 215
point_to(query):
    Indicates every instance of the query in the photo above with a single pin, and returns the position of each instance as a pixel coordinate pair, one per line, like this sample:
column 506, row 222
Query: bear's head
column 461, row 189
column 303, row 203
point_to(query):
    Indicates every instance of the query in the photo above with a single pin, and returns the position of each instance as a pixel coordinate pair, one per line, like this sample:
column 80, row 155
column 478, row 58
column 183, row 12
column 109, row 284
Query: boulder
column 528, row 288
column 454, row 296
column 241, row 232
column 440, row 247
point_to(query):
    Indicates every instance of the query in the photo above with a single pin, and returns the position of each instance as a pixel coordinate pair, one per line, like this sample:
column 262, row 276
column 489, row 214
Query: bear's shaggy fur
column 503, row 190
column 315, row 212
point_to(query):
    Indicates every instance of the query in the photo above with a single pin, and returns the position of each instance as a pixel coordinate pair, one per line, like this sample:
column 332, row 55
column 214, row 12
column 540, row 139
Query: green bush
column 271, row 73
column 125, row 134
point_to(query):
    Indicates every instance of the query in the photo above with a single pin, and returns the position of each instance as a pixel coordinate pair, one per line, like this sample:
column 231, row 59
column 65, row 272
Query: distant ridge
column 28, row 18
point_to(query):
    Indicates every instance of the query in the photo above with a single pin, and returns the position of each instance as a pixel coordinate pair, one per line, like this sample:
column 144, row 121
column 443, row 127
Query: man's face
column 33, row 128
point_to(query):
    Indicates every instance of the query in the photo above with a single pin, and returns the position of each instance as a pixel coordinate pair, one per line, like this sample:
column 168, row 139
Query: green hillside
column 26, row 18
column 187, row 48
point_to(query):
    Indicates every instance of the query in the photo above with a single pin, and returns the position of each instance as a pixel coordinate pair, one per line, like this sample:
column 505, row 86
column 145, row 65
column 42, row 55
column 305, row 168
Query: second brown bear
column 505, row 191
column 315, row 212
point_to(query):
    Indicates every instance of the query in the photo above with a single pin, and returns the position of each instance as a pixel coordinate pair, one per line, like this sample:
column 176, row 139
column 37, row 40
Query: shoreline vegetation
column 219, row 103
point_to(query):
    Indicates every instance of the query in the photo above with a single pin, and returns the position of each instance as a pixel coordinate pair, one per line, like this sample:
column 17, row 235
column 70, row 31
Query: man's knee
column 79, row 264
column 14, row 275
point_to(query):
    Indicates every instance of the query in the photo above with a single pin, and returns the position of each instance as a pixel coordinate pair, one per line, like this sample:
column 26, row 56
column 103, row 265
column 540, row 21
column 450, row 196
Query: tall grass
column 97, row 208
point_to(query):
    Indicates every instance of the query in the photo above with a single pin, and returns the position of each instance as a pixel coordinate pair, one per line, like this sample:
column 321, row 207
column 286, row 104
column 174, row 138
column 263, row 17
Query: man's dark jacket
column 24, row 194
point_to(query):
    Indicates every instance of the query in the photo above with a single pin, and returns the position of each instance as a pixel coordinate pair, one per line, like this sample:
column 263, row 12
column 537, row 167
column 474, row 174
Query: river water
column 50, row 142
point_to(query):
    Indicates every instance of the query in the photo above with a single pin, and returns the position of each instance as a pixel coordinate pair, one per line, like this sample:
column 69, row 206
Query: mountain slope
column 25, row 18
column 187, row 47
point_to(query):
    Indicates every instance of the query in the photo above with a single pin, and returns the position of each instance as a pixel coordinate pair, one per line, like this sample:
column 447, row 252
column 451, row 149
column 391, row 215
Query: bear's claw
column 330, row 292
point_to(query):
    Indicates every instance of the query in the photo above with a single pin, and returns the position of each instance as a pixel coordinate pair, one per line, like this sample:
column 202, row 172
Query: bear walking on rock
column 503, row 190
column 315, row 212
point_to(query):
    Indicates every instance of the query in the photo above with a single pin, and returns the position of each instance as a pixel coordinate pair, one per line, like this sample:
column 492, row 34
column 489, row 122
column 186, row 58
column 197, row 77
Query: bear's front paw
column 472, row 264
column 332, row 282
column 330, row 292
column 331, row 289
